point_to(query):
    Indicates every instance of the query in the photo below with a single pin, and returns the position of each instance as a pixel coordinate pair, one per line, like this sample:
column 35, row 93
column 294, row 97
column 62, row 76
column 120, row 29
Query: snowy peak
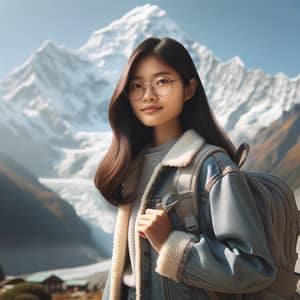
column 235, row 61
column 53, row 78
column 55, row 61
column 63, row 57
column 49, row 46
column 48, row 50
column 40, row 70
column 55, row 91
column 119, row 38
column 147, row 11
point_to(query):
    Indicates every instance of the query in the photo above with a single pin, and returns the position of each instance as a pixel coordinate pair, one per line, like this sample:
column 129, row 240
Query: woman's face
column 152, row 69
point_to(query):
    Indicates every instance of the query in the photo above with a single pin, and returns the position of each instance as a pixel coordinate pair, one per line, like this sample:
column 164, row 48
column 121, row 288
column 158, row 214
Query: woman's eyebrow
column 153, row 75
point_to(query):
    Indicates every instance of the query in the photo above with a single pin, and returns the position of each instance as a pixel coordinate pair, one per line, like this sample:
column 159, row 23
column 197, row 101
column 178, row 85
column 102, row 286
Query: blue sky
column 263, row 33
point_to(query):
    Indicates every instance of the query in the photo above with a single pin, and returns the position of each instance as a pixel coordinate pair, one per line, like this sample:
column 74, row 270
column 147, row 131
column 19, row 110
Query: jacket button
column 146, row 253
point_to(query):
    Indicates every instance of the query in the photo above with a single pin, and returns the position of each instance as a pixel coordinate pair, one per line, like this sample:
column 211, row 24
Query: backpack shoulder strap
column 242, row 154
column 186, row 184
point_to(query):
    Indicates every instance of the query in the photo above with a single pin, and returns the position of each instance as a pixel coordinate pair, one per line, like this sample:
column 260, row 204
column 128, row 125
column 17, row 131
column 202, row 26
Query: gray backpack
column 272, row 195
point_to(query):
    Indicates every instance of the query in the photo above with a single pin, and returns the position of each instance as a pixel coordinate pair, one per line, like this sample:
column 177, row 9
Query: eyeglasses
column 160, row 86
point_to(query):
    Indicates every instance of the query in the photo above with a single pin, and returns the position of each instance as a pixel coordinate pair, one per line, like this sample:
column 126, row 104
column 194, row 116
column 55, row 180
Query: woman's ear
column 190, row 89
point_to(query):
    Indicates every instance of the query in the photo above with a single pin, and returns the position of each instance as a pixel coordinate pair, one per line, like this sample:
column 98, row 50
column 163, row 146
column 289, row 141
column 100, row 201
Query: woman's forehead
column 151, row 66
column 161, row 73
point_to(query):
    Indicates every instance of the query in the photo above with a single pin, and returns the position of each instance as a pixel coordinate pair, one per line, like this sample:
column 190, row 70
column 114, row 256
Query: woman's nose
column 149, row 92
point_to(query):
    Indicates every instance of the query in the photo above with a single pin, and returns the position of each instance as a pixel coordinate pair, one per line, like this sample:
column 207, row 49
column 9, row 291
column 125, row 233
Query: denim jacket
column 228, row 259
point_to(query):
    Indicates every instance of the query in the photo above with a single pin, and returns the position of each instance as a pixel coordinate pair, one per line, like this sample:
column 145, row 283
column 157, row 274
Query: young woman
column 160, row 118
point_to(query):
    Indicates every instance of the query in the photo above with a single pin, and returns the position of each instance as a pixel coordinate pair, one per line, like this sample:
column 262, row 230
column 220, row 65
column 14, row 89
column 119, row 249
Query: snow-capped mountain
column 240, row 98
column 110, row 47
column 59, row 85
column 54, row 107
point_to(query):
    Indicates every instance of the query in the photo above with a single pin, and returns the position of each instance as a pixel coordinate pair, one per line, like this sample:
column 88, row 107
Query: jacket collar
column 183, row 151
column 180, row 155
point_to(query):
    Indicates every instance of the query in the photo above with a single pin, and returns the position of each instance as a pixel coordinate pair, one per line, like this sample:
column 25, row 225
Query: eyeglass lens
column 161, row 86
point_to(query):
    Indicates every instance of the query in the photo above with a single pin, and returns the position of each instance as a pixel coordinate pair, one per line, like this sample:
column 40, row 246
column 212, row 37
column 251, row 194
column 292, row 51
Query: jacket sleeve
column 234, row 257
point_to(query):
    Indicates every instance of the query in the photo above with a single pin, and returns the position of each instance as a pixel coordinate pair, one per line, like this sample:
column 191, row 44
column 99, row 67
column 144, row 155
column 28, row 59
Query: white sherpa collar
column 180, row 155
column 182, row 152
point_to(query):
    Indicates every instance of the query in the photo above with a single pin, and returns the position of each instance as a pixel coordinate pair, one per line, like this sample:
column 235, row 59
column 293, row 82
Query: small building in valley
column 48, row 279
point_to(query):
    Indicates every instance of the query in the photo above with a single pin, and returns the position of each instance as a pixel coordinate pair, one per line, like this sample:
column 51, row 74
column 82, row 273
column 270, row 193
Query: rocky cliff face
column 276, row 148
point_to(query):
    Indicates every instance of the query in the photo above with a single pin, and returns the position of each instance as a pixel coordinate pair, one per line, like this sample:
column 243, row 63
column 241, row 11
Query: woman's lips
column 151, row 110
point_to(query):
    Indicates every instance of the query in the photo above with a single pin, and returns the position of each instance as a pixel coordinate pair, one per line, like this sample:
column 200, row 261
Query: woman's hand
column 155, row 226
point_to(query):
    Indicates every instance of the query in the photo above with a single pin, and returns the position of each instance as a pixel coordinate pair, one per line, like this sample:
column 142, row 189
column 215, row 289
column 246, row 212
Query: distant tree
column 26, row 297
column 2, row 274
column 10, row 295
column 26, row 291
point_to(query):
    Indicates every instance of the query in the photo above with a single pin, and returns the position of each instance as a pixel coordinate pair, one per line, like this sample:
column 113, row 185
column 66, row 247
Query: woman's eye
column 133, row 86
column 162, row 81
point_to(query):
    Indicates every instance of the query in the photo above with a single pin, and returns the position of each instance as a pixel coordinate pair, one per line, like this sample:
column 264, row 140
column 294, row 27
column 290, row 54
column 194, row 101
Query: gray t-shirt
column 153, row 157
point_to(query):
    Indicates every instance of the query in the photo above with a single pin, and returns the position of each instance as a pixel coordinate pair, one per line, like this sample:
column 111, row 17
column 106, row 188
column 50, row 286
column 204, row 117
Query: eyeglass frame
column 151, row 88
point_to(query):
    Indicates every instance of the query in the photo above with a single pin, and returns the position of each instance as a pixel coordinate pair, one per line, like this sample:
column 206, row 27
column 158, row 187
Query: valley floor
column 78, row 295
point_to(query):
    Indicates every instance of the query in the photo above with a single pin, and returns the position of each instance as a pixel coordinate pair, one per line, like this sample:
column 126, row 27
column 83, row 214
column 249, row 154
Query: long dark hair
column 130, row 135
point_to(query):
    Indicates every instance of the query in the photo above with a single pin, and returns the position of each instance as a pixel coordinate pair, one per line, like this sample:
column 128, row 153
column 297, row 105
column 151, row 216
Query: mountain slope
column 45, row 101
column 33, row 218
column 276, row 148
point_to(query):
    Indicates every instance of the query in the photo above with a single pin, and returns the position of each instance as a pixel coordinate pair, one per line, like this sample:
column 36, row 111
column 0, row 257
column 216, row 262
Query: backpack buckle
column 191, row 224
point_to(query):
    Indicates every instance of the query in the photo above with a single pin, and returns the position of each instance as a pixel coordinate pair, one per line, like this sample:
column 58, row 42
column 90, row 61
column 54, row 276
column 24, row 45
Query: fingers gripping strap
column 185, row 181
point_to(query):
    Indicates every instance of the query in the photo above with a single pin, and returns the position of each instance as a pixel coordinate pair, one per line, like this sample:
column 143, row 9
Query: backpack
column 271, row 194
